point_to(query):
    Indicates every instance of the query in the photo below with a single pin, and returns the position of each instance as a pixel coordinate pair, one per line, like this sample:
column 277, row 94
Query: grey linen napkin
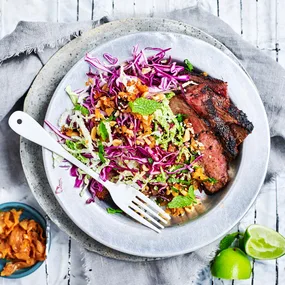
column 27, row 49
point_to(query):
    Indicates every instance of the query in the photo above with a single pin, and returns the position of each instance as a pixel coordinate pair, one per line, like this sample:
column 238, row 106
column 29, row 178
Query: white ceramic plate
column 224, row 209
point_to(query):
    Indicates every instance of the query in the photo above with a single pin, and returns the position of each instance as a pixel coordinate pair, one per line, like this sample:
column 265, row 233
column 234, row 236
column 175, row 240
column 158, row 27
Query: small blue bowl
column 28, row 213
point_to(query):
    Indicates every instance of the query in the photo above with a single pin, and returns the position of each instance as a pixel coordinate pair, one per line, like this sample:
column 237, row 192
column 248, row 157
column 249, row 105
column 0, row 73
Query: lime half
column 263, row 243
column 231, row 263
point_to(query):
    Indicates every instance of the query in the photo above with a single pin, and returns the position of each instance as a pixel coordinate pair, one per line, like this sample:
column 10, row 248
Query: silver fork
column 127, row 198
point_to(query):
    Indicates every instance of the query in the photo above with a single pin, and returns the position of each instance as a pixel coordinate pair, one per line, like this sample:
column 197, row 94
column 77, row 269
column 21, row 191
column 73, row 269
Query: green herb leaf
column 73, row 96
column 211, row 180
column 191, row 193
column 180, row 117
column 144, row 106
column 103, row 132
column 176, row 180
column 101, row 151
column 188, row 65
column 169, row 95
column 70, row 144
column 84, row 111
column 114, row 211
column 180, row 202
column 174, row 189
column 150, row 160
column 82, row 158
column 227, row 241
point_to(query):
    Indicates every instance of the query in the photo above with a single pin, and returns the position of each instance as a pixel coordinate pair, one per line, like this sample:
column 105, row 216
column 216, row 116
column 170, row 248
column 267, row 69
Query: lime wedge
column 263, row 243
column 231, row 263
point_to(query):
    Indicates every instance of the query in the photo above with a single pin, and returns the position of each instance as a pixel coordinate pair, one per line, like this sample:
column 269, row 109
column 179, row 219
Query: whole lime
column 231, row 263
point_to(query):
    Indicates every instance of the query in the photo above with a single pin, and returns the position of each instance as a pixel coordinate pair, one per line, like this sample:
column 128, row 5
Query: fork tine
column 152, row 204
column 140, row 219
column 145, row 214
column 144, row 206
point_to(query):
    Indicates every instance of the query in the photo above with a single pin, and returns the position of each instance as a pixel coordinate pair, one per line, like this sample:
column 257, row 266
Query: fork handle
column 24, row 125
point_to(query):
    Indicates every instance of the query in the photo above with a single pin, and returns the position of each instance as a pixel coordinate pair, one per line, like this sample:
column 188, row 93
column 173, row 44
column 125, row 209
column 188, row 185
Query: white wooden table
column 260, row 22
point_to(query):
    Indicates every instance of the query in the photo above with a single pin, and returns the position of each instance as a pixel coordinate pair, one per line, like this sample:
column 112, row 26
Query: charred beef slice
column 229, row 124
column 214, row 160
column 218, row 86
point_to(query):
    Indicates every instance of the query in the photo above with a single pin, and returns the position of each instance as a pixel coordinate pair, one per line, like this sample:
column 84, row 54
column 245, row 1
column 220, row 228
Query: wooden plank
column 180, row 4
column 280, row 31
column 280, row 186
column 247, row 220
column 249, row 23
column 77, row 271
column 85, row 10
column 124, row 8
column 102, row 8
column 230, row 13
column 266, row 24
column 143, row 8
column 264, row 271
column 58, row 258
column 1, row 19
column 67, row 11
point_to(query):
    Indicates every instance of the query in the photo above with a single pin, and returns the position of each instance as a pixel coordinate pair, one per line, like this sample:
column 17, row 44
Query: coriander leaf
column 103, row 132
column 101, row 151
column 180, row 117
column 73, row 96
column 227, row 241
column 180, row 202
column 188, row 65
column 144, row 106
column 84, row 111
column 113, row 211
column 169, row 95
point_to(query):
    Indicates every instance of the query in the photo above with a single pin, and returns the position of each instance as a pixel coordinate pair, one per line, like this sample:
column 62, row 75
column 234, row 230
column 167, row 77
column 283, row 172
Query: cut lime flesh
column 263, row 243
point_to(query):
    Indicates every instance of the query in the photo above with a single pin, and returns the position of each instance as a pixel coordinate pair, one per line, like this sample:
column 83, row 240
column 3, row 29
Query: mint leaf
column 101, row 151
column 180, row 202
column 84, row 111
column 191, row 193
column 113, row 211
column 180, row 117
column 188, row 65
column 103, row 131
column 144, row 106
column 72, row 95
column 227, row 241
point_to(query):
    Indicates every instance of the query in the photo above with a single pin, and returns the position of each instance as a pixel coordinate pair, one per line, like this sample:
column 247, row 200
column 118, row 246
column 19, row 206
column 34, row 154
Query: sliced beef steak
column 213, row 161
column 229, row 123
column 217, row 85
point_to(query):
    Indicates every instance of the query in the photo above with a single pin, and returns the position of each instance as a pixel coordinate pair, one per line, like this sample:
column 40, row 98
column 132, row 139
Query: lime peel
column 231, row 263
